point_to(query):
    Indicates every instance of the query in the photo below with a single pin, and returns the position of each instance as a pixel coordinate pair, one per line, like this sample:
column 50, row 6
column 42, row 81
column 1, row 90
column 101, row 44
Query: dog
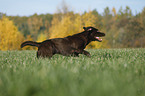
column 68, row 46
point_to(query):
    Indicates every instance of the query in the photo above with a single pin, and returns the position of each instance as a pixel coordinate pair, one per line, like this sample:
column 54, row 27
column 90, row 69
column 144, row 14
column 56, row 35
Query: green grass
column 109, row 72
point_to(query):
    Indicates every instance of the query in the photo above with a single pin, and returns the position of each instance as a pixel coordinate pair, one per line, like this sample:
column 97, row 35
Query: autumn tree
column 10, row 37
column 122, row 28
column 73, row 23
column 67, row 23
column 41, row 37
column 61, row 28
column 89, row 19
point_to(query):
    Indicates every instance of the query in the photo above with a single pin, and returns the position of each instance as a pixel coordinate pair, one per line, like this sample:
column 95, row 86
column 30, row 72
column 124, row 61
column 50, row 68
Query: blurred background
column 123, row 21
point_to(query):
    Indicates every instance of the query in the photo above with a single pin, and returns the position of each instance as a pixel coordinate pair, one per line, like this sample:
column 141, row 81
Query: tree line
column 122, row 28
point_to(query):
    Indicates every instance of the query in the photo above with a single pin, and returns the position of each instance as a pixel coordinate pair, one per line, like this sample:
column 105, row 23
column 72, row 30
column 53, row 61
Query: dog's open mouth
column 98, row 39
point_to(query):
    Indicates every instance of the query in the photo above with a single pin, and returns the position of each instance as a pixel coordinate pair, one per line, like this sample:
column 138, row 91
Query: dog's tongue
column 98, row 38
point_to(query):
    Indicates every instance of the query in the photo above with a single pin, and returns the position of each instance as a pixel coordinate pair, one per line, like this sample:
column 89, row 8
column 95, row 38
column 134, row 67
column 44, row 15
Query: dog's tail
column 31, row 43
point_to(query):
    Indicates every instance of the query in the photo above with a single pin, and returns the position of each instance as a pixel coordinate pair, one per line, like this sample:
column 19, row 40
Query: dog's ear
column 89, row 29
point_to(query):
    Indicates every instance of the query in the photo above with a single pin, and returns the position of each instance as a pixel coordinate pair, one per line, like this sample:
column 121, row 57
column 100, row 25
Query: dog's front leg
column 86, row 53
column 82, row 52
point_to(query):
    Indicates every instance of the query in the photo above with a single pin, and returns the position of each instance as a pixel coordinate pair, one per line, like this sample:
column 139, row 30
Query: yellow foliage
column 41, row 37
column 78, row 23
column 89, row 19
column 10, row 37
column 61, row 28
column 72, row 24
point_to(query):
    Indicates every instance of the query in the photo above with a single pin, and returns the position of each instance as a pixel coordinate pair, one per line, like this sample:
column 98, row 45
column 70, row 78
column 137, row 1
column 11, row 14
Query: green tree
column 35, row 24
column 134, row 34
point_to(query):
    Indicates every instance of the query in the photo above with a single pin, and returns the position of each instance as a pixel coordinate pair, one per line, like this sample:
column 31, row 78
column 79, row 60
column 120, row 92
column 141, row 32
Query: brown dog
column 68, row 46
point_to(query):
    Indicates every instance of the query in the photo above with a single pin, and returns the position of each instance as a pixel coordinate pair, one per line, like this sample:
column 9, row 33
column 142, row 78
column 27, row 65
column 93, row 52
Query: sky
column 30, row 7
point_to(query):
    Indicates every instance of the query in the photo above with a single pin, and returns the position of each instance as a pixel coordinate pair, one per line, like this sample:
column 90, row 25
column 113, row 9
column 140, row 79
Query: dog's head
column 94, row 33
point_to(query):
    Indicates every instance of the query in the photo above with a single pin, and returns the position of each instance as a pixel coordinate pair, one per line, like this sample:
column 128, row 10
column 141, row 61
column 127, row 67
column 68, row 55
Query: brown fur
column 68, row 46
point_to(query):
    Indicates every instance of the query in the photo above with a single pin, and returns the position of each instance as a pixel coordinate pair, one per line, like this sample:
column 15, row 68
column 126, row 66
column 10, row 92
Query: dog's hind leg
column 44, row 52
column 44, row 55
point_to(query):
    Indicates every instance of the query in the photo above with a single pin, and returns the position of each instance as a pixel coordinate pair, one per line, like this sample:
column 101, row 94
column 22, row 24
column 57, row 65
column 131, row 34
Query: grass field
column 109, row 72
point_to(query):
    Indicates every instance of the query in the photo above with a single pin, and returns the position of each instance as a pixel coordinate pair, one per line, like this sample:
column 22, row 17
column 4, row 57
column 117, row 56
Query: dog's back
column 70, row 45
